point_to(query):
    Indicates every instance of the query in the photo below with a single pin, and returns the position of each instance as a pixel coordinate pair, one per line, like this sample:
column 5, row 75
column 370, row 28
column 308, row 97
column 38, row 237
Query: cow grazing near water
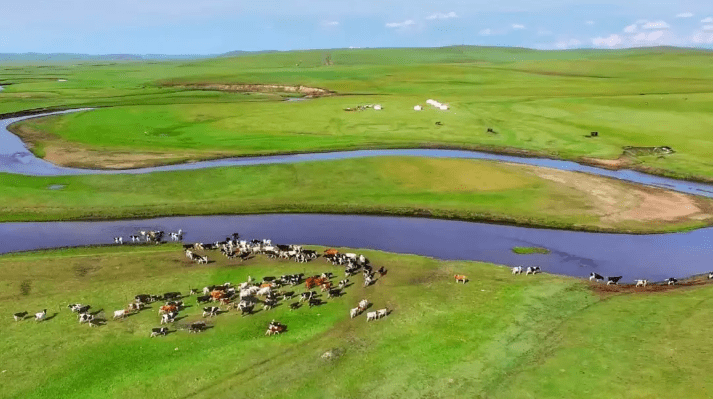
column 118, row 240
column 517, row 270
column 532, row 270
column 19, row 316
column 642, row 283
column 613, row 280
column 460, row 278
column 595, row 276
column 671, row 281
column 710, row 275
column 159, row 331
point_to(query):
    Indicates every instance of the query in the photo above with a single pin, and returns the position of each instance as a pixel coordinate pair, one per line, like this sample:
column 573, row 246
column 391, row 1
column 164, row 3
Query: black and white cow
column 343, row 283
column 671, row 281
column 211, row 311
column 118, row 240
column 85, row 318
column 710, row 275
column 197, row 326
column 334, row 292
column 169, row 317
column 532, row 270
column 613, row 280
column 307, row 295
column 294, row 305
column 203, row 299
column 595, row 276
column 171, row 295
column 315, row 302
column 19, row 316
column 159, row 331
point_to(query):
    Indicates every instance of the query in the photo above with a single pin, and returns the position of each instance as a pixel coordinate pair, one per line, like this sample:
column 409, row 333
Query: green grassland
column 499, row 336
column 544, row 102
column 530, row 250
column 409, row 186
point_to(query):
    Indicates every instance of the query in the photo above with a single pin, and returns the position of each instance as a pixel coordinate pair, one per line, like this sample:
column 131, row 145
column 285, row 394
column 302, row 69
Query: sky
column 218, row 26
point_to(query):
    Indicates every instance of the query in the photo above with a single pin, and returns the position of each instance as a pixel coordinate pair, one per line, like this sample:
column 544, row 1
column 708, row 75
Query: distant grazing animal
column 517, row 270
column 710, row 276
column 19, row 316
column 354, row 312
column 211, row 311
column 460, row 278
column 363, row 304
column 371, row 316
column 315, row 302
column 382, row 271
column 331, row 251
column 197, row 326
column 641, row 283
column 169, row 317
column 119, row 314
column 671, row 281
column 595, row 276
column 159, row 331
column 613, row 280
column 167, row 309
column 247, row 309
column 294, row 305
column 382, row 313
column 343, row 283
column 118, row 240
column 171, row 295
column 532, row 270
column 85, row 318
column 41, row 316
column 275, row 327
column 307, row 295
column 135, row 307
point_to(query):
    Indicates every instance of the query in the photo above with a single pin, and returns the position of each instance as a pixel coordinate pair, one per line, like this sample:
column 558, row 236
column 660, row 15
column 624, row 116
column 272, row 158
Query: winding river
column 654, row 257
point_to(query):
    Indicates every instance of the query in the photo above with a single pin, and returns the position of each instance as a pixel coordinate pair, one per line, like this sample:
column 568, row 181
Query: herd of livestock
column 242, row 297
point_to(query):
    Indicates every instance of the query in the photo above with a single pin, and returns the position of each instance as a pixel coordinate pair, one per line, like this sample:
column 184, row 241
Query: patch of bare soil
column 613, row 164
column 616, row 202
column 258, row 88
column 604, row 289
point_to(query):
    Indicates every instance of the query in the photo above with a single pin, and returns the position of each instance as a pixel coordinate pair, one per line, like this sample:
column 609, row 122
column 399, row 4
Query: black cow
column 197, row 326
column 288, row 295
column 315, row 302
column 334, row 292
column 294, row 306
column 171, row 295
column 613, row 280
column 382, row 271
column 247, row 309
column 145, row 298
column 159, row 331
column 595, row 276
column 19, row 316
column 203, row 299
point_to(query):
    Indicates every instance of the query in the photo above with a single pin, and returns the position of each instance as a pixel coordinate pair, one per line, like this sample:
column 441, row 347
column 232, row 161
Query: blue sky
column 217, row 26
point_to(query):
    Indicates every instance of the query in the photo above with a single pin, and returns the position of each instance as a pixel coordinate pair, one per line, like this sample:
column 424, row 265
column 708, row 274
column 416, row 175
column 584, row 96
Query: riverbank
column 488, row 339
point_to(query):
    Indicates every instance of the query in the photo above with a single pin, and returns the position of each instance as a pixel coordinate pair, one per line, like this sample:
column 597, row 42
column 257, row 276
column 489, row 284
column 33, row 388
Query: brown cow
column 330, row 252
column 461, row 278
column 326, row 286
column 167, row 309
column 217, row 295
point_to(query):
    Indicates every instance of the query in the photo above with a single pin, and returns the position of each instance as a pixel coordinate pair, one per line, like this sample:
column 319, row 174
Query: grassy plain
column 499, row 336
column 530, row 250
column 544, row 102
column 409, row 186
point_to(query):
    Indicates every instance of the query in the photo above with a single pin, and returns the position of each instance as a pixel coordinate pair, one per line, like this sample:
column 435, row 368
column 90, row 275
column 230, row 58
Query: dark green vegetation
column 530, row 250
column 498, row 336
column 461, row 189
column 544, row 102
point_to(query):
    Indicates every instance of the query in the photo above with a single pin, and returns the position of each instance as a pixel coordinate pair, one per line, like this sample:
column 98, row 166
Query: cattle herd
column 245, row 296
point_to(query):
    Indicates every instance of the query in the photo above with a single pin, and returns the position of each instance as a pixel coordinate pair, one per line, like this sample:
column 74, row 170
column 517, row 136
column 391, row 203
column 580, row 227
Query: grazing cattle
column 641, row 283
column 159, row 331
column 135, row 238
column 343, row 283
column 288, row 295
column 517, row 270
column 169, row 317
column 264, row 291
column 211, row 311
column 294, row 305
column 40, row 316
column 19, row 316
column 275, row 327
column 145, row 298
column 216, row 295
column 94, row 323
column 135, row 307
column 460, row 278
column 326, row 286
column 203, row 299
column 671, row 281
column 307, row 295
column 363, row 304
column 315, row 302
column 710, row 276
column 197, row 326
column 532, row 270
column 269, row 304
column 330, row 252
column 363, row 260
column 247, row 309
column 119, row 314
column 354, row 312
column 85, row 318
column 371, row 316
column 167, row 309
column 171, row 295
column 613, row 280
column 367, row 280
column 336, row 292
column 382, row 271
column 595, row 276
column 118, row 240
column 382, row 313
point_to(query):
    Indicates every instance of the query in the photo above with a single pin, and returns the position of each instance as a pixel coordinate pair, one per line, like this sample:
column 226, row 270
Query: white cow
column 517, row 270
column 363, row 304
column 641, row 283
column 119, row 314
column 41, row 316
column 354, row 312
column 371, row 316
column 382, row 313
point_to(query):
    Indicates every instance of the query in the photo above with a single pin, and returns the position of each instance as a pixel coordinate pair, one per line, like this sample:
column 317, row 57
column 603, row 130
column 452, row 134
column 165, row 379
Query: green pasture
column 498, row 336
column 408, row 186
column 545, row 102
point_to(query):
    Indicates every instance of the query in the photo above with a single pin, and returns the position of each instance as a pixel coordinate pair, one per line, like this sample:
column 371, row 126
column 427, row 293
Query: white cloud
column 486, row 32
column 518, row 26
column 655, row 25
column 440, row 15
column 404, row 24
column 589, row 23
column 330, row 23
column 565, row 44
column 707, row 20
column 630, row 28
column 708, row 27
column 702, row 37
column 684, row 15
column 611, row 41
